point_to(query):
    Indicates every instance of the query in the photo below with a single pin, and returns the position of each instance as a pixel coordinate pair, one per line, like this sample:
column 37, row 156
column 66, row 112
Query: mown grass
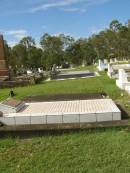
column 91, row 151
column 89, row 85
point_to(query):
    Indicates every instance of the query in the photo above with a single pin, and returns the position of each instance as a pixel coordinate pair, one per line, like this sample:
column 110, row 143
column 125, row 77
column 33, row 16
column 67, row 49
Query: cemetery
column 93, row 108
column 64, row 86
column 15, row 113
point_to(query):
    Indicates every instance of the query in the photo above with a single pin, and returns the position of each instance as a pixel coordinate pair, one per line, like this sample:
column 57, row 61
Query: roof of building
column 12, row 102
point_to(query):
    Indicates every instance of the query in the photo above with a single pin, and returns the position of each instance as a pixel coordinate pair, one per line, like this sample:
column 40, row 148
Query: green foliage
column 113, row 42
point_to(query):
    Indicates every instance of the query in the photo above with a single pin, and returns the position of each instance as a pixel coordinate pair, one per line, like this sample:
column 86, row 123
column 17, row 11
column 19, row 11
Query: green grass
column 91, row 151
column 88, row 85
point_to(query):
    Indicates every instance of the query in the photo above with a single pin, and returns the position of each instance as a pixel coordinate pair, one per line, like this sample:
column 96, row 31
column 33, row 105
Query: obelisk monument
column 4, row 69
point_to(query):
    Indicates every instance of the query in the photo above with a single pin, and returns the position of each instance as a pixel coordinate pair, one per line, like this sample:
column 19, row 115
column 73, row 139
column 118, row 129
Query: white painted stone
column 40, row 70
column 105, row 61
column 54, row 119
column 71, row 118
column 39, row 119
column 73, row 112
column 110, row 70
column 29, row 72
column 23, row 120
column 116, row 116
column 121, row 82
column 101, row 65
column 8, row 120
column 111, row 60
column 102, row 117
column 87, row 118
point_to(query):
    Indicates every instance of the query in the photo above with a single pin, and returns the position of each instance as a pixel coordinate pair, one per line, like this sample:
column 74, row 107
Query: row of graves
column 119, row 70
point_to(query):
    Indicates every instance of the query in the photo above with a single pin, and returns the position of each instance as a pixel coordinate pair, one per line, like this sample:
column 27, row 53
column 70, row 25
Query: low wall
column 35, row 119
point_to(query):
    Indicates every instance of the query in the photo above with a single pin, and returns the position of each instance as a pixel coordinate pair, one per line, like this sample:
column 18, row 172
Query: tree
column 115, row 25
column 53, row 50
column 27, row 42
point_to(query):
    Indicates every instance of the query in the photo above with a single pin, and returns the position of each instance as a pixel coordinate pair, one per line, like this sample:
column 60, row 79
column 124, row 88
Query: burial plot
column 64, row 112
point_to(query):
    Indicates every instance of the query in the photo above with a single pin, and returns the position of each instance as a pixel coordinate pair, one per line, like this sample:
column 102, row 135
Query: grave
column 110, row 70
column 73, row 75
column 114, row 68
column 64, row 112
column 123, row 82
column 102, row 65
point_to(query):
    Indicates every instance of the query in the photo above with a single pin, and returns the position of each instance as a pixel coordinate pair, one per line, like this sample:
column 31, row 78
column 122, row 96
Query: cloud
column 63, row 3
column 32, row 6
column 55, row 4
column 12, row 43
column 18, row 34
column 75, row 10
column 14, row 36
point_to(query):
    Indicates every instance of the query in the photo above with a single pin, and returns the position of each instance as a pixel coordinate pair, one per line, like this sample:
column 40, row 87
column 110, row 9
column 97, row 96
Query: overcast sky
column 79, row 18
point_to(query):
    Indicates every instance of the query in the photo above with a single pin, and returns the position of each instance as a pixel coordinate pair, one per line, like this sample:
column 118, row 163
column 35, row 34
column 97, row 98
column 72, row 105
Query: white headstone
column 122, row 81
column 105, row 61
column 100, row 65
column 111, row 60
column 122, row 76
column 40, row 70
column 29, row 72
column 110, row 70
column 115, row 60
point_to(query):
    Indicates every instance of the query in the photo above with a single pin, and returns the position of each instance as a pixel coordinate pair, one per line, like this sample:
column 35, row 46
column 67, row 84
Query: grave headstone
column 101, row 65
column 122, row 81
column 110, row 70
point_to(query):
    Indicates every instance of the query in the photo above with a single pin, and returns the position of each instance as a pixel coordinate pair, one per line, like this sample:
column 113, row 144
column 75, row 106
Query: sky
column 78, row 18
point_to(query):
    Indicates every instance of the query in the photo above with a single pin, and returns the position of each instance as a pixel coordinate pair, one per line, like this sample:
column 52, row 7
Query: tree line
column 113, row 42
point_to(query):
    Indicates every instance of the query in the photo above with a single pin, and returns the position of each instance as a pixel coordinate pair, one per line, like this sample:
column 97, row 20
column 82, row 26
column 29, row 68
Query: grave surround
column 65, row 112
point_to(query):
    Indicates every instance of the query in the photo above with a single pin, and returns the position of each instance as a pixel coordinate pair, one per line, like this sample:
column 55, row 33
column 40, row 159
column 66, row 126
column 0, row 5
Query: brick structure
column 4, row 70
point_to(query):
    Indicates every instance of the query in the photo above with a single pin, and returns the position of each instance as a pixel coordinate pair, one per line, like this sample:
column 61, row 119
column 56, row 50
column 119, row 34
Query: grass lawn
column 85, row 151
column 88, row 85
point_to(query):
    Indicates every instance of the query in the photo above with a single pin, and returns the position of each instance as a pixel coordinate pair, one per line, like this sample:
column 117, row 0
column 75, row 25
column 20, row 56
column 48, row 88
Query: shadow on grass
column 26, row 134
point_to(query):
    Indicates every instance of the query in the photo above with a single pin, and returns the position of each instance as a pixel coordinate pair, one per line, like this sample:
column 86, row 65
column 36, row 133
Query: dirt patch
column 64, row 97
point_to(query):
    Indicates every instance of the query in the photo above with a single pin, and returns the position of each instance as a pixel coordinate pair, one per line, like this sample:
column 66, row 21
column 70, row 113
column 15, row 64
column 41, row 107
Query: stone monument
column 110, row 70
column 122, row 81
column 4, row 69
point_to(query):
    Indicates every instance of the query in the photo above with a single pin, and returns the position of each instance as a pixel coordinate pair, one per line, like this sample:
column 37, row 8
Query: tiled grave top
column 71, row 107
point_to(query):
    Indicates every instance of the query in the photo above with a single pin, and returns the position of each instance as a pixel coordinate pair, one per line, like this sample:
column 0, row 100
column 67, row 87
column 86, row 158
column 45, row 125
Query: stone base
column 4, row 73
